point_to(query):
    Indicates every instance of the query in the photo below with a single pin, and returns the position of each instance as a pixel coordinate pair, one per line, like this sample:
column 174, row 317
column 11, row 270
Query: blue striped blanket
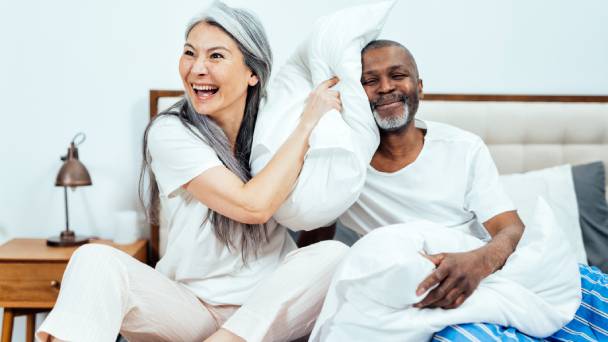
column 589, row 324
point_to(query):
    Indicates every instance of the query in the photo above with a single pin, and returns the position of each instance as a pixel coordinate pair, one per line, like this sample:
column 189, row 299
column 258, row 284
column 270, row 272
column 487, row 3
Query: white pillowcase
column 342, row 144
column 556, row 186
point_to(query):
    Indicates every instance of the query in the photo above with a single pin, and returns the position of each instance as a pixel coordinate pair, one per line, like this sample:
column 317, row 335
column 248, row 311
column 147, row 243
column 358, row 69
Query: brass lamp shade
column 72, row 172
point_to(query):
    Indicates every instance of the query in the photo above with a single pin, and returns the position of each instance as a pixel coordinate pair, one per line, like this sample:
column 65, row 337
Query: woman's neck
column 231, row 128
column 230, row 122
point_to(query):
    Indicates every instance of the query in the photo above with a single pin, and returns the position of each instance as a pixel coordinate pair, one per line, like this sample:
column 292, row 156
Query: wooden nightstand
column 30, row 278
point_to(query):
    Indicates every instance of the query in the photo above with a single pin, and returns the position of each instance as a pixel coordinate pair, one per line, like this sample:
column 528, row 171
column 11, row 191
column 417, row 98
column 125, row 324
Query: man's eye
column 188, row 53
column 216, row 55
column 399, row 76
column 368, row 82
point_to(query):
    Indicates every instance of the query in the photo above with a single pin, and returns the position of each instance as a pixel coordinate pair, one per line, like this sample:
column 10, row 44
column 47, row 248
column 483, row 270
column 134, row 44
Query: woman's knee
column 93, row 251
column 331, row 249
column 96, row 256
column 322, row 256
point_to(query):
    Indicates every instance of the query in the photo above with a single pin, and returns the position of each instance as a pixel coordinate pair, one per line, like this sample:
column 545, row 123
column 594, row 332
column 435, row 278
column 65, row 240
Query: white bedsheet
column 370, row 298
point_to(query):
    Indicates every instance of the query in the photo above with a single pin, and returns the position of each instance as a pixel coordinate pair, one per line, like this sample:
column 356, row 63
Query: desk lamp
column 72, row 174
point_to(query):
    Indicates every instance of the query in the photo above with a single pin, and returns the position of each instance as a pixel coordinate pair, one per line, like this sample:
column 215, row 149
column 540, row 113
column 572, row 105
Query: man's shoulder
column 444, row 132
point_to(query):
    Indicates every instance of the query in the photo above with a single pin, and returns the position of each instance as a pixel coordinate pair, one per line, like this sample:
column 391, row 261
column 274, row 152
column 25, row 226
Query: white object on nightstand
column 126, row 227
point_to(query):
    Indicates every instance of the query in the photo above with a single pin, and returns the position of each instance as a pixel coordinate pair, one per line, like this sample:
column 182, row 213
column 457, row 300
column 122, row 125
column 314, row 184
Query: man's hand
column 457, row 275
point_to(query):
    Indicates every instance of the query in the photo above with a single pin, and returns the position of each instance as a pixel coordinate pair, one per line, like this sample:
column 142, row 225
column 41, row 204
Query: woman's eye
column 188, row 53
column 216, row 55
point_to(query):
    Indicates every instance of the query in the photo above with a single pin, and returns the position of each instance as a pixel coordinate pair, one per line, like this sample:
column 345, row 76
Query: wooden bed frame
column 156, row 95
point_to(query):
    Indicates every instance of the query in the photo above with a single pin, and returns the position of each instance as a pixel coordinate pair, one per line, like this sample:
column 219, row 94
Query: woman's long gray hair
column 247, row 31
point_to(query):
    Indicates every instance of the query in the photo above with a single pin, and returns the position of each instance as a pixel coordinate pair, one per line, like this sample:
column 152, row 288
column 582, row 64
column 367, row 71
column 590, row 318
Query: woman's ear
column 253, row 80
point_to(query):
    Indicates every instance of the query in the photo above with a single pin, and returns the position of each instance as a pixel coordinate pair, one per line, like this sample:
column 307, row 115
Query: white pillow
column 342, row 144
column 556, row 186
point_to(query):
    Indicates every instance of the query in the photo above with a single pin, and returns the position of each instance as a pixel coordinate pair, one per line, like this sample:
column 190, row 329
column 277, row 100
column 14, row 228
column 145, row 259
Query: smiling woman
column 211, row 58
column 229, row 271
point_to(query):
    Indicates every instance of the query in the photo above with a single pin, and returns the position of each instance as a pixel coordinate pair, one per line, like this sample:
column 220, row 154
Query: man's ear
column 420, row 86
column 253, row 80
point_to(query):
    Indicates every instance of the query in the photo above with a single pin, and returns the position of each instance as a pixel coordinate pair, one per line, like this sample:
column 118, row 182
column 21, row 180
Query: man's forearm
column 502, row 245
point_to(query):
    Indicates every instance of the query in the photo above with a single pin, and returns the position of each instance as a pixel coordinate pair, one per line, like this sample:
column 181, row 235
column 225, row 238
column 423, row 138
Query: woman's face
column 214, row 74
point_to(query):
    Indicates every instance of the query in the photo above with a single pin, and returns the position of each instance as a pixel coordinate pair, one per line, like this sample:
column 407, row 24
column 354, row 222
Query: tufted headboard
column 523, row 132
column 528, row 132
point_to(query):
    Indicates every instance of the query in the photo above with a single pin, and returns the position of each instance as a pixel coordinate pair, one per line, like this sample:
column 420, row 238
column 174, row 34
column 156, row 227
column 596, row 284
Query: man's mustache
column 389, row 98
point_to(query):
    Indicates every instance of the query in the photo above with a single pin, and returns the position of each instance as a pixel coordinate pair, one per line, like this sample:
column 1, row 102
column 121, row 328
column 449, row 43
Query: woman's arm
column 256, row 201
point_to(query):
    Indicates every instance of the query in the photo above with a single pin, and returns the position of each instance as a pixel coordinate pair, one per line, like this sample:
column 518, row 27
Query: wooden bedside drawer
column 30, row 276
column 26, row 285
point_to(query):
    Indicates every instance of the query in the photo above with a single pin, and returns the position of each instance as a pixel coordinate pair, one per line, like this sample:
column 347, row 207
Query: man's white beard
column 392, row 123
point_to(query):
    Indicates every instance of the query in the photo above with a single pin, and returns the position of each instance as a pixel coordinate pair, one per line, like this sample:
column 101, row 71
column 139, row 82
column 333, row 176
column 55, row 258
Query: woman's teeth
column 204, row 89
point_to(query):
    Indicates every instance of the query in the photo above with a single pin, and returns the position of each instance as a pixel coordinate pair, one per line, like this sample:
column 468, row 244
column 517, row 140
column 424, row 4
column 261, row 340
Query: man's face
column 390, row 80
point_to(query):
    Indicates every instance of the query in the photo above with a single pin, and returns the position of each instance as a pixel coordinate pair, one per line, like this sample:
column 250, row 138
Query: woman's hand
column 320, row 101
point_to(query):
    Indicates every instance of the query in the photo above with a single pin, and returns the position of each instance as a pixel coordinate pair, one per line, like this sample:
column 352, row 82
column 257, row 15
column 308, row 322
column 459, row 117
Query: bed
column 524, row 133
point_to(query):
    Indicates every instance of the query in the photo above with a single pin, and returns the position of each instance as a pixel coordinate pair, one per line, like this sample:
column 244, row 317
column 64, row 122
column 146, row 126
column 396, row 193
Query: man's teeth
column 203, row 87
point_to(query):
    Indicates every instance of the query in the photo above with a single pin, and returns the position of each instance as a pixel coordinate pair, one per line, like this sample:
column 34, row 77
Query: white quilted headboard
column 533, row 134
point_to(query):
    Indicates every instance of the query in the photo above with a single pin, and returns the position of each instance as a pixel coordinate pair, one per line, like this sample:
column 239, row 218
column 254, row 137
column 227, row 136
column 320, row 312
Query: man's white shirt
column 453, row 182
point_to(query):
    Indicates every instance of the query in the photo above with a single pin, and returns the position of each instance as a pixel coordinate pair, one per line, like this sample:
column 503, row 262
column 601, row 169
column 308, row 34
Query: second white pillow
column 556, row 186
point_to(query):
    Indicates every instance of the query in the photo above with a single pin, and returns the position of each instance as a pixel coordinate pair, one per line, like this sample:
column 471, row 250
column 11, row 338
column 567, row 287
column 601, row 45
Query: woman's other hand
column 320, row 101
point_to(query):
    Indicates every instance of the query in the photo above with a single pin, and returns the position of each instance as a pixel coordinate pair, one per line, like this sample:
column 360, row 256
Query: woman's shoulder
column 166, row 122
column 170, row 134
column 169, row 126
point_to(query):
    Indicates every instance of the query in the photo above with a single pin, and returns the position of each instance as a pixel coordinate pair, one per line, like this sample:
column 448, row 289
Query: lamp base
column 66, row 239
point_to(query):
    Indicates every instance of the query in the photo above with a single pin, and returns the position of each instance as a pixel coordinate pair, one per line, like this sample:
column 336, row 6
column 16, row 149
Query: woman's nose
column 199, row 67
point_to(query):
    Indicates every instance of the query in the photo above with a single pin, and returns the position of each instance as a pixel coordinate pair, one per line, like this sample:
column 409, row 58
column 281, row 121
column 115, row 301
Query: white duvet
column 371, row 295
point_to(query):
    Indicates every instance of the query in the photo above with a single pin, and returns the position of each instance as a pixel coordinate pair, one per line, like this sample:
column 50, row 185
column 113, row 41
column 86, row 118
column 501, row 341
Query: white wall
column 74, row 65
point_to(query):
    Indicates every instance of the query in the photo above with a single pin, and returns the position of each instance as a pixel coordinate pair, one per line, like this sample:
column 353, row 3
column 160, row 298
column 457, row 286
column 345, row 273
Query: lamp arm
column 67, row 216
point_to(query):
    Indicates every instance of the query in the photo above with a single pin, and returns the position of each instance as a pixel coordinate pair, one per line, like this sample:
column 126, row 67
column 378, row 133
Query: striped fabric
column 589, row 324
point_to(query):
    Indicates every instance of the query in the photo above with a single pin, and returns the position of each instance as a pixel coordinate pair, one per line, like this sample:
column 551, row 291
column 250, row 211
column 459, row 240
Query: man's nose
column 200, row 66
column 385, row 86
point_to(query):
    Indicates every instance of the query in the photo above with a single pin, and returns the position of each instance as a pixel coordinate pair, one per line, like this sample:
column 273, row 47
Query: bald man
column 437, row 189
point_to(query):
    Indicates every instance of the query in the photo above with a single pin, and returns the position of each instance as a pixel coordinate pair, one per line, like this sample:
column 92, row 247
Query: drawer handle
column 55, row 284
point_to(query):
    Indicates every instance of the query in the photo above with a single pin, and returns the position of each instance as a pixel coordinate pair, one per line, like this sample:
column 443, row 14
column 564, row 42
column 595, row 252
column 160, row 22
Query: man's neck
column 398, row 149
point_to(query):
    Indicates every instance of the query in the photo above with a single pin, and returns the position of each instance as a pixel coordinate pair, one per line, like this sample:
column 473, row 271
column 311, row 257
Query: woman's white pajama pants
column 105, row 291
